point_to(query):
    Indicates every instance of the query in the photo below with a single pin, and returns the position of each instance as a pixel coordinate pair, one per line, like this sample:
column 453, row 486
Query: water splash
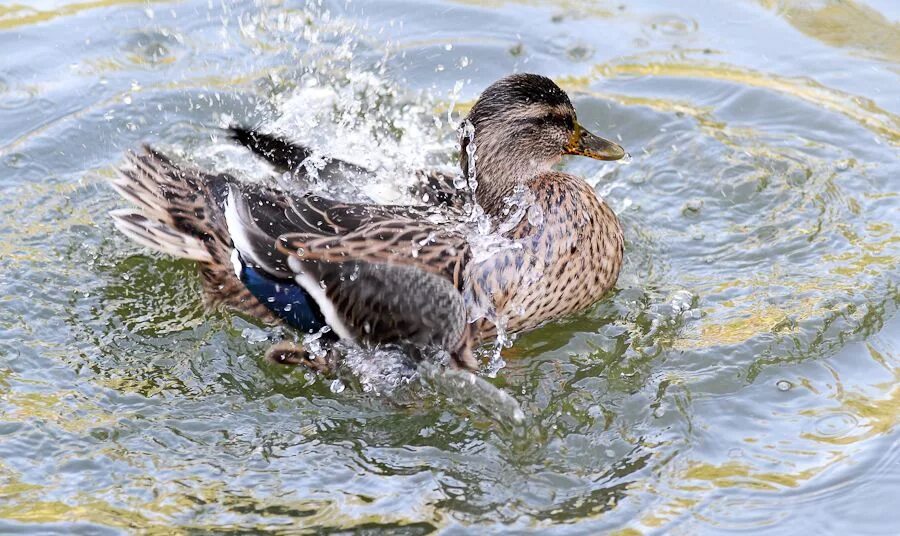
column 468, row 181
column 315, row 345
column 504, row 339
column 461, row 387
column 337, row 386
column 453, row 97
column 378, row 371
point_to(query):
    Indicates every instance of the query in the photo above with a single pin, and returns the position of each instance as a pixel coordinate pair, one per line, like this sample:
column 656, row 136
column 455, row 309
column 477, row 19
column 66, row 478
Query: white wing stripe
column 311, row 286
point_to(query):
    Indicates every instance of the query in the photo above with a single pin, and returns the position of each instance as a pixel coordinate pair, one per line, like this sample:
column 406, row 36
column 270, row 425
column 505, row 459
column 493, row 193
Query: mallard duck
column 527, row 244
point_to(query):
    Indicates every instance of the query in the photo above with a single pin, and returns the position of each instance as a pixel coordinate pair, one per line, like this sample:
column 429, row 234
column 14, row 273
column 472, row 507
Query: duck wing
column 288, row 156
column 382, row 293
column 419, row 244
column 257, row 215
column 389, row 281
column 433, row 187
column 379, row 274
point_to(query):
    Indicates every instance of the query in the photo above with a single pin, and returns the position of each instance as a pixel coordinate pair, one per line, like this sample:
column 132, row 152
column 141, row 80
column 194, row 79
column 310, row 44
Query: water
column 742, row 377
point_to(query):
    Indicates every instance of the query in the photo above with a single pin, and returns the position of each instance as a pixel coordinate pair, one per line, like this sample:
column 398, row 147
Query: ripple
column 742, row 515
column 571, row 48
column 671, row 25
column 15, row 160
column 12, row 97
column 579, row 52
column 23, row 169
column 154, row 48
column 836, row 425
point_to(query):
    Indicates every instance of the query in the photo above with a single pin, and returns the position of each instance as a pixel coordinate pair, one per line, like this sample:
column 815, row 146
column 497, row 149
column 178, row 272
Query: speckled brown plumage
column 421, row 276
column 564, row 264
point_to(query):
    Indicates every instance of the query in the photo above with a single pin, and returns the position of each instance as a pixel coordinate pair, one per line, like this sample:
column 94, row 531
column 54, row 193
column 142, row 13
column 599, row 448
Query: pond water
column 743, row 377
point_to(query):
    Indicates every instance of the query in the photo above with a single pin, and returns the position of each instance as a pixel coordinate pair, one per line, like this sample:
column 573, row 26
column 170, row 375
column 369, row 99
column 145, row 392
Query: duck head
column 522, row 125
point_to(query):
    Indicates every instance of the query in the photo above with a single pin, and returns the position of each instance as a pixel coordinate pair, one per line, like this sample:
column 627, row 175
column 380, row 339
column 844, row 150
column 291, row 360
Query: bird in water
column 522, row 245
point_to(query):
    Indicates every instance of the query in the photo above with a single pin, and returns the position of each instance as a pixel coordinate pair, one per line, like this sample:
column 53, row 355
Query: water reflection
column 741, row 377
column 848, row 24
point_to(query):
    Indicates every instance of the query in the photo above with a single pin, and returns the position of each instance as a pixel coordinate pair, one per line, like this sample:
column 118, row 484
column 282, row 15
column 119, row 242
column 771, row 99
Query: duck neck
column 495, row 171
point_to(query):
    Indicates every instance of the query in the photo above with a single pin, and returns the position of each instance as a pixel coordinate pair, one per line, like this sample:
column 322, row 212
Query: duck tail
column 177, row 211
column 180, row 211
column 156, row 234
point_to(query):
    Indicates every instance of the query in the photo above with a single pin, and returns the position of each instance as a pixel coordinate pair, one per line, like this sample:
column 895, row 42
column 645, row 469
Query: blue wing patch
column 285, row 298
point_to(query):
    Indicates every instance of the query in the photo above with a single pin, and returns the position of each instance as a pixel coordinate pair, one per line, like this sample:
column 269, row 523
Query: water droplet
column 784, row 385
column 337, row 386
column 692, row 206
column 681, row 301
column 671, row 25
column 254, row 335
column 579, row 52
column 535, row 215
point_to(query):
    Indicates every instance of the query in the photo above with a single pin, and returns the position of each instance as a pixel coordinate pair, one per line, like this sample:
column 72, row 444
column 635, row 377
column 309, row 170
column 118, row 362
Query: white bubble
column 337, row 386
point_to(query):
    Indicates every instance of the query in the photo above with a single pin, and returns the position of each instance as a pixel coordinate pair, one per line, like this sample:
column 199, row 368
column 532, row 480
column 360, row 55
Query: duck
column 521, row 245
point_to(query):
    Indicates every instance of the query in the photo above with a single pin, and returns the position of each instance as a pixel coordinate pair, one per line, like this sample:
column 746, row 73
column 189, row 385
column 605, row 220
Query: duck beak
column 586, row 144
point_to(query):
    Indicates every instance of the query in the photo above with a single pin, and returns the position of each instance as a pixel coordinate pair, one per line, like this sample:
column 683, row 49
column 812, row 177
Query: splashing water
column 503, row 340
column 314, row 345
column 377, row 371
column 468, row 181
column 460, row 386
column 453, row 98
column 767, row 405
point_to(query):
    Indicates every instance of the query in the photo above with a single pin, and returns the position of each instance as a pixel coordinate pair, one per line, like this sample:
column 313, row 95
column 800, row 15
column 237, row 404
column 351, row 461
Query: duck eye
column 556, row 120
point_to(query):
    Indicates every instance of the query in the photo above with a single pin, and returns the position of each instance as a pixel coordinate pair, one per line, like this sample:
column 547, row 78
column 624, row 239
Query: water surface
column 743, row 377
